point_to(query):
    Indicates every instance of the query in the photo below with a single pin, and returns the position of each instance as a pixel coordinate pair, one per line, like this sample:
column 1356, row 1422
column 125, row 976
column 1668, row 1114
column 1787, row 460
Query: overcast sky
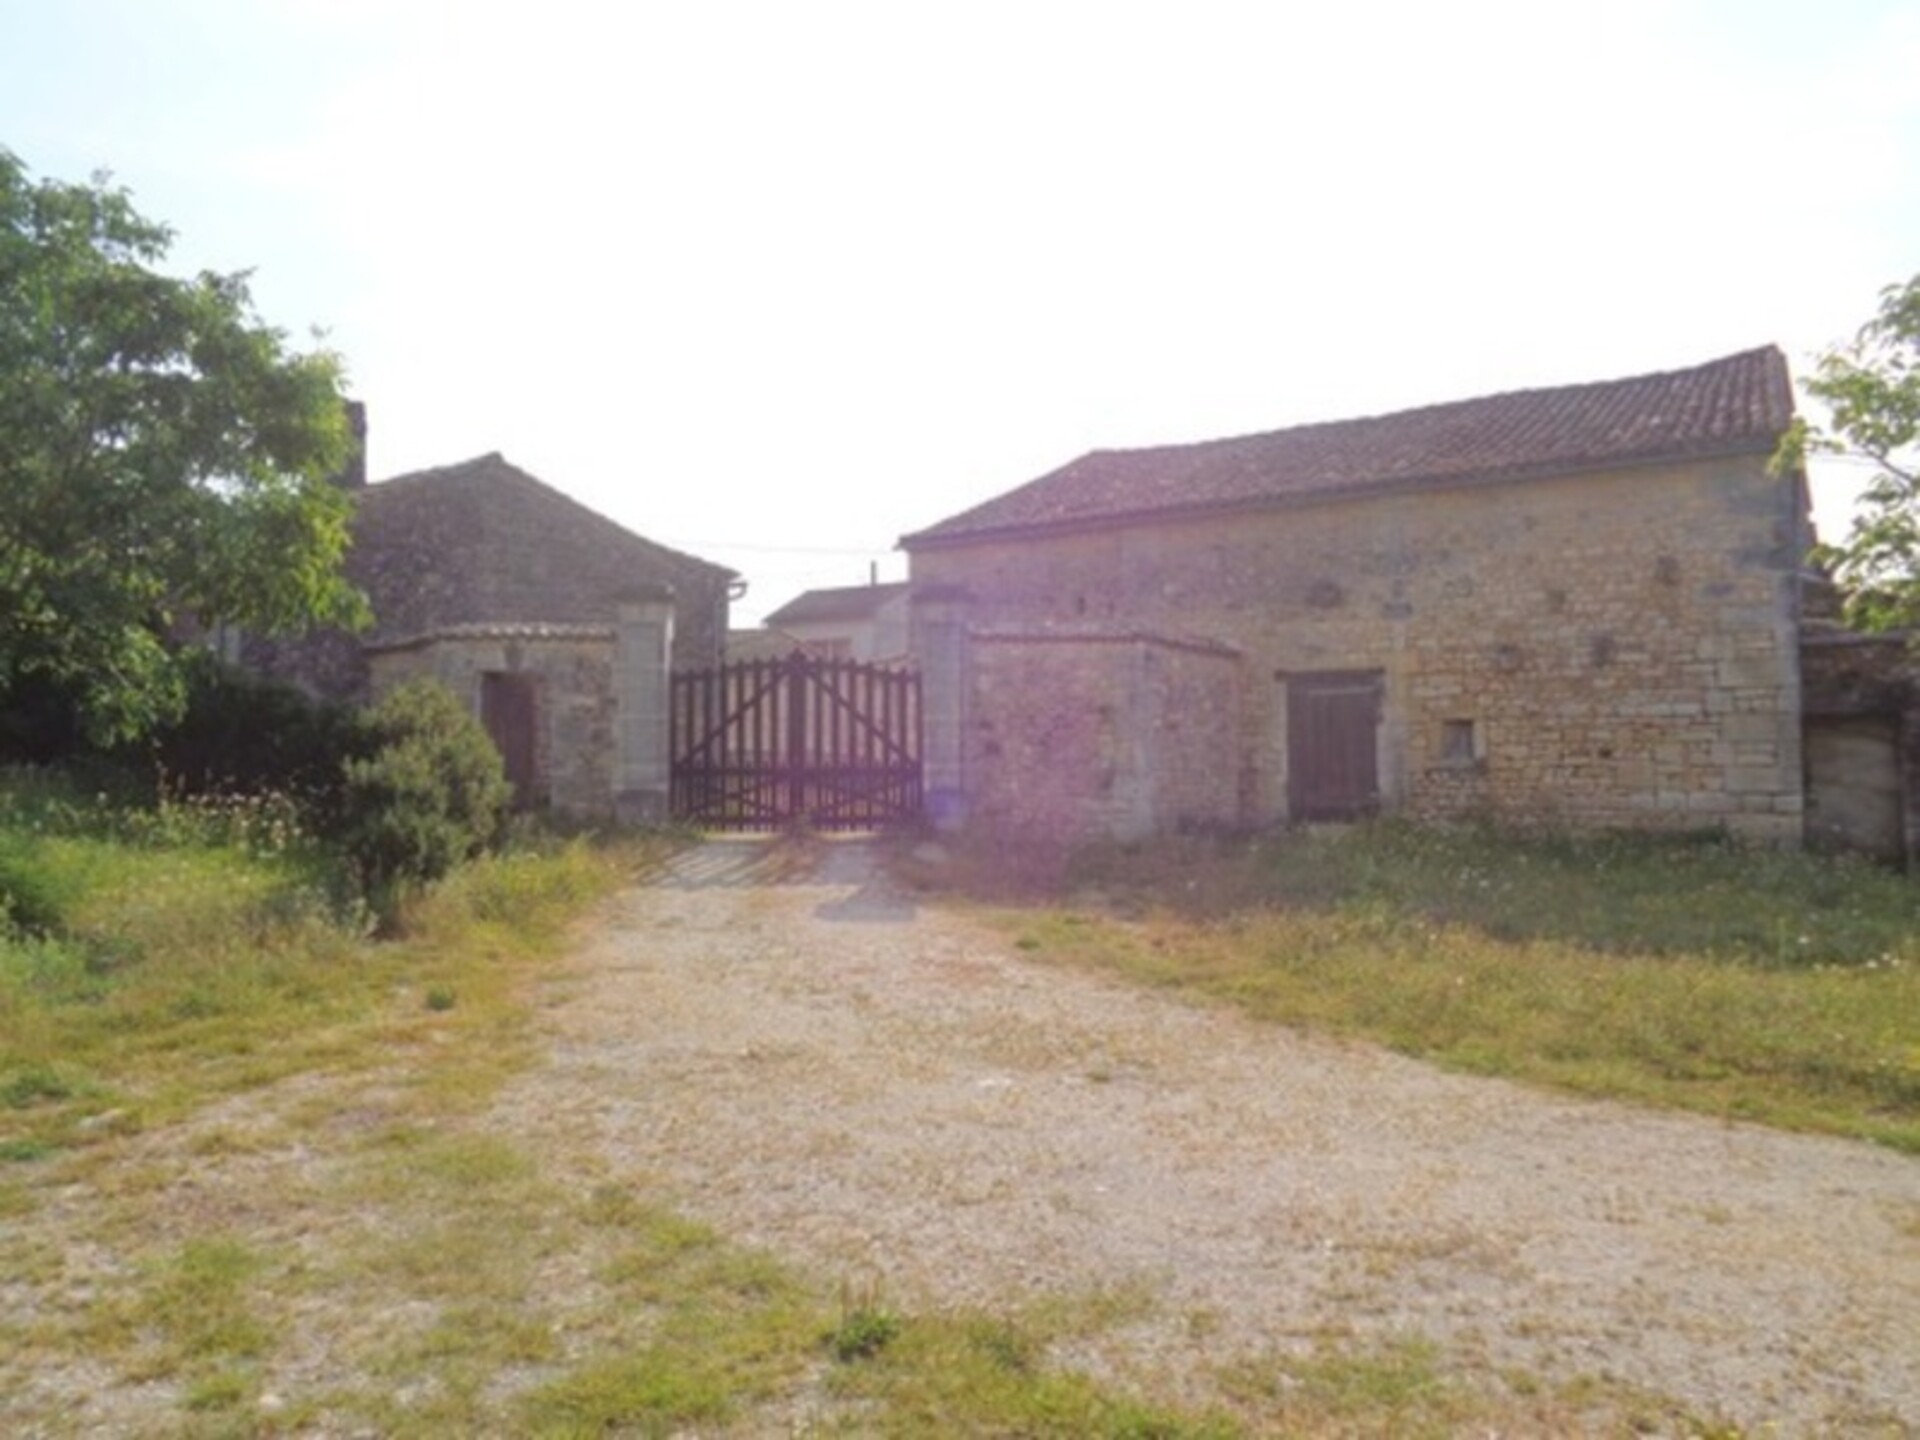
column 779, row 282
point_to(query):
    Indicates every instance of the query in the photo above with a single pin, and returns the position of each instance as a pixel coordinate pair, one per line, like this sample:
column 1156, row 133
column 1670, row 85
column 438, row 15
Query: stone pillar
column 939, row 641
column 642, row 690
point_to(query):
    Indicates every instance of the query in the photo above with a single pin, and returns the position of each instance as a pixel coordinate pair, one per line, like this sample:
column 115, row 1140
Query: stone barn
column 1574, row 606
column 554, row 623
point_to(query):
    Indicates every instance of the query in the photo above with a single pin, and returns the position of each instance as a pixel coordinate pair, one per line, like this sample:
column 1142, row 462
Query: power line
column 681, row 544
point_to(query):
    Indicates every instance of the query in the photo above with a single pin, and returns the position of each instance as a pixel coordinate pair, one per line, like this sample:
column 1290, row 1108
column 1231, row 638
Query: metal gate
column 829, row 743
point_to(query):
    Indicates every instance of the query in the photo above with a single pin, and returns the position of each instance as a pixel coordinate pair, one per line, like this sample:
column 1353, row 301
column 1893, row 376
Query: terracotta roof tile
column 1736, row 405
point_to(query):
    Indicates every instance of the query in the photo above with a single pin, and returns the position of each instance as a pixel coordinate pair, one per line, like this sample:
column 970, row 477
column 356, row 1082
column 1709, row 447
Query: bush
column 425, row 791
column 243, row 734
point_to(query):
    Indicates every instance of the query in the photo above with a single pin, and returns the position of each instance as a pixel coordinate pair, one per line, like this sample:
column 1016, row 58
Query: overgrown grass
column 167, row 955
column 1777, row 987
column 1694, row 896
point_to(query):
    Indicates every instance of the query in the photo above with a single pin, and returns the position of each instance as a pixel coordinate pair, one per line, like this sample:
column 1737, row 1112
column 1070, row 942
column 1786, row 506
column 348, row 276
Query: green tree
column 1871, row 387
column 163, row 455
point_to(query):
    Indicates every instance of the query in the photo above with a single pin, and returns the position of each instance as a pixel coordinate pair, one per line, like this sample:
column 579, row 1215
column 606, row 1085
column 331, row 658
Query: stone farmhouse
column 553, row 622
column 1576, row 606
column 848, row 622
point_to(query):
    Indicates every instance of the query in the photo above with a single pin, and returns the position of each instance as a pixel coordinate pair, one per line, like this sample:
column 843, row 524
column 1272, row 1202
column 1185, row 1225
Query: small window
column 1458, row 743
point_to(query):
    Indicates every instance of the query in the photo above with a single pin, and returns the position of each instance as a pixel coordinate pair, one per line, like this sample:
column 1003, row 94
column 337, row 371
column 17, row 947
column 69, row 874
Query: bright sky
column 777, row 282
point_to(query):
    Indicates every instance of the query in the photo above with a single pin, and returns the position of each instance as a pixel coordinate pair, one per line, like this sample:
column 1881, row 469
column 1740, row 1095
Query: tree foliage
column 1871, row 387
column 163, row 455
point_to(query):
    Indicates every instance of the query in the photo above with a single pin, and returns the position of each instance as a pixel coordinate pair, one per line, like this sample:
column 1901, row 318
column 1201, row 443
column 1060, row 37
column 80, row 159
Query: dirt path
column 895, row 1095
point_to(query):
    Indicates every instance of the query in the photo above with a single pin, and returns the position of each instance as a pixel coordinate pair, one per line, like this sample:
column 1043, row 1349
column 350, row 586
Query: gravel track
column 891, row 1093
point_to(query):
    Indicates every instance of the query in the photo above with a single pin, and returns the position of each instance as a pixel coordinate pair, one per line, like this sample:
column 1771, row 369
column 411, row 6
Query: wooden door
column 1333, row 724
column 509, row 710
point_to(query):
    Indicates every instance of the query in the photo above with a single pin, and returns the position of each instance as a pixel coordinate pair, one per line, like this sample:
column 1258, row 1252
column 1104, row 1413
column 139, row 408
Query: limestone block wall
column 1862, row 739
column 1616, row 648
column 699, row 619
column 574, row 703
column 1074, row 732
column 329, row 664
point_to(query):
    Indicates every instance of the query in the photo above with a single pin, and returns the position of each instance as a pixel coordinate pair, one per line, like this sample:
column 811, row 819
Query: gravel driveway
column 893, row 1094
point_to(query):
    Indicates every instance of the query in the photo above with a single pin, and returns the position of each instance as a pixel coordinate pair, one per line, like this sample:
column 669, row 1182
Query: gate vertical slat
column 833, row 756
column 716, row 700
column 882, row 751
column 863, row 746
column 753, row 676
column 768, row 788
column 915, row 700
column 880, row 706
column 816, row 728
column 872, row 752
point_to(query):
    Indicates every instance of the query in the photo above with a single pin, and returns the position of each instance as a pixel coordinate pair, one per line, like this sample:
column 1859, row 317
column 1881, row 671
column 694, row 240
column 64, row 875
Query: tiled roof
column 761, row 643
column 1737, row 405
column 847, row 602
column 483, row 543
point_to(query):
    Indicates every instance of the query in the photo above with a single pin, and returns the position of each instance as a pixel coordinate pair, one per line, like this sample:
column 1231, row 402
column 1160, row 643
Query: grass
column 249, row 1186
column 253, row 1182
column 1694, row 974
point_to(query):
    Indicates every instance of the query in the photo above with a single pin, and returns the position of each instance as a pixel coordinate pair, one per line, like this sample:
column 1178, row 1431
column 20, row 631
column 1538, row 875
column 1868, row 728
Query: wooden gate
column 760, row 744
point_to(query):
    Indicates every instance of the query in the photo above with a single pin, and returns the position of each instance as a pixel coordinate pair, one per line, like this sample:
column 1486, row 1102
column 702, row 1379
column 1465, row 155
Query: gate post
column 939, row 632
column 642, row 690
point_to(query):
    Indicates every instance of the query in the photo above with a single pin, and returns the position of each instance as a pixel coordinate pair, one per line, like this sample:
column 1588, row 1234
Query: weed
column 222, row 1390
column 33, row 1085
column 862, row 1334
column 977, row 1374
column 440, row 997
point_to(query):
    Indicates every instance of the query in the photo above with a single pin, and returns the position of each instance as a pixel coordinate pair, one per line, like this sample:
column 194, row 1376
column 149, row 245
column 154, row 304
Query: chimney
column 353, row 474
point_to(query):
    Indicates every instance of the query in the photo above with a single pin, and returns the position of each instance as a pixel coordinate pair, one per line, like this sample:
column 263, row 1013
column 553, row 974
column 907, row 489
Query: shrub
column 425, row 792
column 243, row 734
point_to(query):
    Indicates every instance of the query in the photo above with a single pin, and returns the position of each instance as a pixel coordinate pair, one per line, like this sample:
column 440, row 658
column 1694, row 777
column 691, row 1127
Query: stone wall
column 700, row 609
column 1077, row 731
column 326, row 663
column 1618, row 648
column 574, row 703
column 1862, row 699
